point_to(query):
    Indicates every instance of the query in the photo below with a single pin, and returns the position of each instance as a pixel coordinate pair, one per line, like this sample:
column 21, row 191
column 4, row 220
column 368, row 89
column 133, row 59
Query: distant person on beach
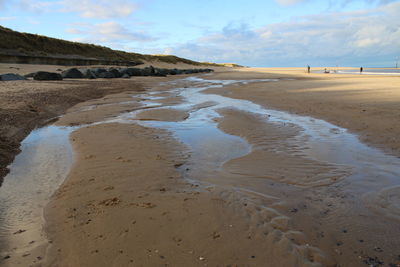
column 308, row 69
column 361, row 69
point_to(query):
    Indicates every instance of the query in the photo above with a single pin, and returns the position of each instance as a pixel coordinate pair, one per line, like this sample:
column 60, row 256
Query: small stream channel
column 35, row 174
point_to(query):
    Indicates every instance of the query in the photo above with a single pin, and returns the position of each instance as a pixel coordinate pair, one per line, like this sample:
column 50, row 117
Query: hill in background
column 22, row 45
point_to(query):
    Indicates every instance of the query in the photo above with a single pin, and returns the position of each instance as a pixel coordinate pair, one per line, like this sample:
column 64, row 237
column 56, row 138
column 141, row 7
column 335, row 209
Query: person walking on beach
column 361, row 70
column 308, row 68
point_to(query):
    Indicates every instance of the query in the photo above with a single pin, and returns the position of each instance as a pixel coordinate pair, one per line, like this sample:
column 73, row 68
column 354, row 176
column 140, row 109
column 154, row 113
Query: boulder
column 173, row 72
column 47, row 76
column 29, row 75
column 72, row 73
column 90, row 74
column 97, row 71
column 125, row 76
column 146, row 71
column 106, row 75
column 11, row 77
column 133, row 71
column 115, row 72
column 152, row 71
column 162, row 72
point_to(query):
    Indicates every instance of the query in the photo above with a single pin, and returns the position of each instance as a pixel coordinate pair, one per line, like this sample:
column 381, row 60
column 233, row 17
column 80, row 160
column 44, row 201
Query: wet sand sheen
column 257, row 167
column 35, row 174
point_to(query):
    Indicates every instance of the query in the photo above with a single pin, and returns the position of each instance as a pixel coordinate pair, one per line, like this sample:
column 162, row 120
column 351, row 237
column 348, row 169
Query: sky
column 258, row 33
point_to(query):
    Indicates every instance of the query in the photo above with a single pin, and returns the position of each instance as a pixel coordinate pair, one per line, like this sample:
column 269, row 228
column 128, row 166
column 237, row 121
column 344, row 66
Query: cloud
column 102, row 9
column 97, row 9
column 37, row 6
column 346, row 38
column 341, row 3
column 106, row 33
column 7, row 18
column 288, row 2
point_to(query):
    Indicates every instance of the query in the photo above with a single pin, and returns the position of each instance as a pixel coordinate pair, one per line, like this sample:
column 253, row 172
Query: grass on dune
column 38, row 45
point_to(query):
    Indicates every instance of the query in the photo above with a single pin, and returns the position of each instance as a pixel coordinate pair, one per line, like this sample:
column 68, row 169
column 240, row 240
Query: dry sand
column 125, row 202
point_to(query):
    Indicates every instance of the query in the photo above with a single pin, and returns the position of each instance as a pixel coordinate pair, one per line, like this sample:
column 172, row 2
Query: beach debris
column 147, row 205
column 6, row 257
column 108, row 188
column 215, row 235
column 19, row 231
column 373, row 261
column 110, row 202
column 202, row 258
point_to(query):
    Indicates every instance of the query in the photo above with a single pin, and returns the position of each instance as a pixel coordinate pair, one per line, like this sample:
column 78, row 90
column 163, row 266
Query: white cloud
column 288, row 2
column 100, row 9
column 97, row 9
column 335, row 2
column 107, row 33
column 37, row 6
column 7, row 18
column 345, row 38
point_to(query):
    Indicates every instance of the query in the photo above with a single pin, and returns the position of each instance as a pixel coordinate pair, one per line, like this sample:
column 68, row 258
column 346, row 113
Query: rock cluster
column 94, row 73
column 11, row 77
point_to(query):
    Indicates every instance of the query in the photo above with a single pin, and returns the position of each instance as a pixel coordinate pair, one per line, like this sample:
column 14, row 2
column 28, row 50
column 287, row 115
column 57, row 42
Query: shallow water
column 320, row 140
column 47, row 156
column 40, row 168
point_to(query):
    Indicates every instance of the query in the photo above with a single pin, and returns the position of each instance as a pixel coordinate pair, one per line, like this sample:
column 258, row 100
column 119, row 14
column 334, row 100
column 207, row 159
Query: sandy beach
column 241, row 167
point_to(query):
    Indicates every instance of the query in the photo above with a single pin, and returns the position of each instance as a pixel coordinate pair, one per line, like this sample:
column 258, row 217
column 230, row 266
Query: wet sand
column 137, row 196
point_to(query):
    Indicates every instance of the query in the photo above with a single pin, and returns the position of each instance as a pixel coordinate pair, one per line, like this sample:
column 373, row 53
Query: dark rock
column 146, row 71
column 72, row 73
column 29, row 75
column 90, row 74
column 134, row 72
column 115, row 72
column 173, row 72
column 97, row 71
column 152, row 70
column 106, row 75
column 162, row 72
column 47, row 76
column 188, row 71
column 11, row 77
